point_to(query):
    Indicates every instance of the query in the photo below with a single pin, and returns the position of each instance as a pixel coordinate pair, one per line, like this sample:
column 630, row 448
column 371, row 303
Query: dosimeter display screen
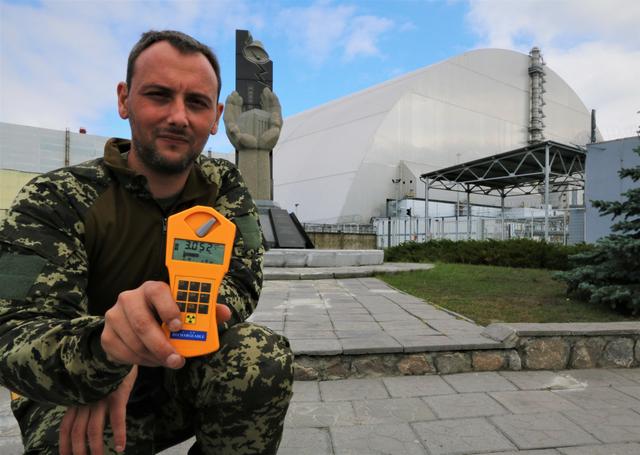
column 197, row 251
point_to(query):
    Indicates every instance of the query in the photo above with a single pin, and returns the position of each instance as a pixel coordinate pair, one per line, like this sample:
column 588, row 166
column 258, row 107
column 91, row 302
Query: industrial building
column 605, row 160
column 359, row 158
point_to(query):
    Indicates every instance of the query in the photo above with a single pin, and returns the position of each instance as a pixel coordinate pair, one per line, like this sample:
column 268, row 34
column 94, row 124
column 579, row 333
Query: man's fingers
column 141, row 318
column 79, row 431
column 64, row 438
column 118, row 420
column 95, row 428
column 223, row 313
column 125, row 347
column 158, row 297
column 118, row 409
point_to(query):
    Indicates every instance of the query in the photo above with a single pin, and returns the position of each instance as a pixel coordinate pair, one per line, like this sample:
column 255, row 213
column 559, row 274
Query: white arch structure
column 337, row 163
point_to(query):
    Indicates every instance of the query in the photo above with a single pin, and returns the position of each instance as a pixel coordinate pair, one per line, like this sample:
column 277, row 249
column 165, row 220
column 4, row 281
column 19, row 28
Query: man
column 83, row 287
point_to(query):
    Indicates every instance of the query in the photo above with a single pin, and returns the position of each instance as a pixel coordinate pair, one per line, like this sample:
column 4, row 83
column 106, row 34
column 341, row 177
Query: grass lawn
column 489, row 294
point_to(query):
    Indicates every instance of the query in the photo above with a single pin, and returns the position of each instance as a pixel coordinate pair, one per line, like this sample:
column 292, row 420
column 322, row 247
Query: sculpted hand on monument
column 232, row 111
column 269, row 102
column 240, row 135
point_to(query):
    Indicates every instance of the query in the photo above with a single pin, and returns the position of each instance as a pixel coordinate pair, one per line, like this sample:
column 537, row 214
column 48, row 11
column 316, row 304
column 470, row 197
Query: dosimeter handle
column 199, row 245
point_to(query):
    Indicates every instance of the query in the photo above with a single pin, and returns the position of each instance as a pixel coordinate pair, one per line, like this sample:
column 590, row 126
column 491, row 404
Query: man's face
column 171, row 106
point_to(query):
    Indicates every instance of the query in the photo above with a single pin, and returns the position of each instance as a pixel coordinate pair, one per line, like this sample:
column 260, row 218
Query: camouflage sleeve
column 240, row 288
column 49, row 345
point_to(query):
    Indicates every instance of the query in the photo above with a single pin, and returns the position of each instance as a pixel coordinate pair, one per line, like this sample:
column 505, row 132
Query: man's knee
column 253, row 368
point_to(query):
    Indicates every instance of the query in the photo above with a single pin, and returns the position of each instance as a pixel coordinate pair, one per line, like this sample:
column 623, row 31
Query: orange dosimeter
column 199, row 244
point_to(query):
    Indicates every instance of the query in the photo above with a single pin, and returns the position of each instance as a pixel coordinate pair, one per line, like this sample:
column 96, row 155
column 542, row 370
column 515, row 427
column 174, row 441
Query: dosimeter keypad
column 193, row 298
column 199, row 245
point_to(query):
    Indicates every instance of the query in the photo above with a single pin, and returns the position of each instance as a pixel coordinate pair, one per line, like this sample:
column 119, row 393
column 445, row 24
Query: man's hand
column 87, row 422
column 133, row 334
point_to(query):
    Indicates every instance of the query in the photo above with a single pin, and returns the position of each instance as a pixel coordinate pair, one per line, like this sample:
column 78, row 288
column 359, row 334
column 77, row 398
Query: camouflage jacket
column 73, row 240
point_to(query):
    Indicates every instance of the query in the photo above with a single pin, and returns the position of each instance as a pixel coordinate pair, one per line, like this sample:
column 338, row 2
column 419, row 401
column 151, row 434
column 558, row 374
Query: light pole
column 457, row 201
column 397, row 223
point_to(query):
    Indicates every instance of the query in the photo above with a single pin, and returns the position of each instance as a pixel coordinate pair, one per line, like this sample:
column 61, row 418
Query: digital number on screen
column 196, row 251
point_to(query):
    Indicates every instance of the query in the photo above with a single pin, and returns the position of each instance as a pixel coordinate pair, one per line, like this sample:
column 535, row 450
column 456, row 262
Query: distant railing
column 346, row 228
column 394, row 231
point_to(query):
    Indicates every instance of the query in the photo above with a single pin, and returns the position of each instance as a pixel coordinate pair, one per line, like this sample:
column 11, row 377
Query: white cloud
column 605, row 76
column 60, row 61
column 55, row 72
column 364, row 35
column 323, row 29
column 593, row 45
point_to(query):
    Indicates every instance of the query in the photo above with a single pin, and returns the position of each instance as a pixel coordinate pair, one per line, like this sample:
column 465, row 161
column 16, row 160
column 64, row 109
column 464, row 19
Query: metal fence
column 394, row 231
column 345, row 228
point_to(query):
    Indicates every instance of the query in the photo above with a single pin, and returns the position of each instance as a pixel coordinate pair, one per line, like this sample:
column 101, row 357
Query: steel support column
column 427, row 231
column 546, row 193
column 502, row 196
column 457, row 214
column 468, row 214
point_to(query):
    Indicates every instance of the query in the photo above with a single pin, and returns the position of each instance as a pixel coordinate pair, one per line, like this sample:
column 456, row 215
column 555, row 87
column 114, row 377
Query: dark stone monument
column 253, row 119
column 286, row 233
column 254, row 70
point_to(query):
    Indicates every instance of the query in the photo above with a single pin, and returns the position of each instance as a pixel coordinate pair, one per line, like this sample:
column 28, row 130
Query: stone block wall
column 561, row 352
column 523, row 346
column 342, row 241
column 308, row 368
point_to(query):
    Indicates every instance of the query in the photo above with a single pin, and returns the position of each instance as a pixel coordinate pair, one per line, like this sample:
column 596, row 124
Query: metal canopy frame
column 545, row 167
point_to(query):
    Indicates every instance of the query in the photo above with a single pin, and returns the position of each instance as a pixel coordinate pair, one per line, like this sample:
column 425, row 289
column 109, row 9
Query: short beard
column 156, row 162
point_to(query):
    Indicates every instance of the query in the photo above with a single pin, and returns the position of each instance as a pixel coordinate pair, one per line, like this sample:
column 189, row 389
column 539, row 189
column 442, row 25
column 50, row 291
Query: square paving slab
column 532, row 380
column 479, row 382
column 609, row 425
column 306, row 391
column 464, row 405
column 461, row 436
column 529, row 402
column 417, row 386
column 376, row 440
column 305, row 440
column 391, row 411
column 353, row 389
column 319, row 414
column 605, row 449
column 546, row 430
column 598, row 398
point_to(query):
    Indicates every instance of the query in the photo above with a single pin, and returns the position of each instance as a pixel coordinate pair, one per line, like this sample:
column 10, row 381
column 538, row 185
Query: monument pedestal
column 281, row 229
column 284, row 257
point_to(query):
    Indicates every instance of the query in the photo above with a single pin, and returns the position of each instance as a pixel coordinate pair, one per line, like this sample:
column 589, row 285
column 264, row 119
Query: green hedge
column 523, row 253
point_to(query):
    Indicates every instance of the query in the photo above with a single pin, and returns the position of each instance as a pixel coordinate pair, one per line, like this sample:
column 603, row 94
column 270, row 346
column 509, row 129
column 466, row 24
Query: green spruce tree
column 610, row 273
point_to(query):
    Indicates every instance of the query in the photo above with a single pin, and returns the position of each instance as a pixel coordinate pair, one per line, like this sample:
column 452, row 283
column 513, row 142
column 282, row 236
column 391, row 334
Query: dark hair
column 181, row 41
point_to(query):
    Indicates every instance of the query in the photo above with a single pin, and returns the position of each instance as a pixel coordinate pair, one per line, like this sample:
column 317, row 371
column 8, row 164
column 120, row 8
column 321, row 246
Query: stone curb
column 322, row 258
column 328, row 273
column 556, row 346
column 505, row 332
column 508, row 347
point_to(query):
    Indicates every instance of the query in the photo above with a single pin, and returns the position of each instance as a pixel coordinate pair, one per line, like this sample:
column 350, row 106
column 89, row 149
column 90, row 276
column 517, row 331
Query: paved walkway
column 576, row 412
column 361, row 316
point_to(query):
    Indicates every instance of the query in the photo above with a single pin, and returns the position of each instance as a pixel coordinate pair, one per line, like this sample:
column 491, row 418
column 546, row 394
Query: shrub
column 523, row 253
